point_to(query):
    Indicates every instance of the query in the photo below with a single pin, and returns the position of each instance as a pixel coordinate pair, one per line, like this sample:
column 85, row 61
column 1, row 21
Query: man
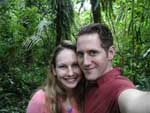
column 112, row 93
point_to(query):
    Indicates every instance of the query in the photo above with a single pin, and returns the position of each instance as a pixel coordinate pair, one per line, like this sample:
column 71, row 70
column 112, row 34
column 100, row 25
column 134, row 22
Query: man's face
column 92, row 58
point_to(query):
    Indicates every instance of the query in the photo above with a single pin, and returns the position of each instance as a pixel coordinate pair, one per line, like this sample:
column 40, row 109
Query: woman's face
column 67, row 69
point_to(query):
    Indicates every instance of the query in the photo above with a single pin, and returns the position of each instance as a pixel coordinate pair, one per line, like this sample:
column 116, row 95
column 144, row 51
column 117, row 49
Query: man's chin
column 90, row 77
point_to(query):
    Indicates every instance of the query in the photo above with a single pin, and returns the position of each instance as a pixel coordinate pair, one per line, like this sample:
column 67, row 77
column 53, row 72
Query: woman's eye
column 62, row 66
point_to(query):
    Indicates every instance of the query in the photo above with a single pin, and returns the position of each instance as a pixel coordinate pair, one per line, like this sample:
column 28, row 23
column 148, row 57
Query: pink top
column 37, row 104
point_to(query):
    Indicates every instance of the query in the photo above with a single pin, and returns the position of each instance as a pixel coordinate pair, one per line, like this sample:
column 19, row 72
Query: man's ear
column 111, row 52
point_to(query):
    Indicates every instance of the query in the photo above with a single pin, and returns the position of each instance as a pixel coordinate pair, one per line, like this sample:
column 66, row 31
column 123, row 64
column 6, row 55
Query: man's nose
column 86, row 60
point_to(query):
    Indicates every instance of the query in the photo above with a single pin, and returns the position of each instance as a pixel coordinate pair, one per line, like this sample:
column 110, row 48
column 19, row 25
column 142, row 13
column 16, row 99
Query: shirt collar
column 106, row 77
column 109, row 75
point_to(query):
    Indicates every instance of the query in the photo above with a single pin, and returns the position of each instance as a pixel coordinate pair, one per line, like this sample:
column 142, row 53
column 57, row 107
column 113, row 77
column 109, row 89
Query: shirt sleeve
column 37, row 103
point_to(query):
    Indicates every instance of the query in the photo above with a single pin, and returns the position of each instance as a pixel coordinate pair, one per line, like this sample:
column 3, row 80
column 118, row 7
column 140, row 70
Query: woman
column 62, row 92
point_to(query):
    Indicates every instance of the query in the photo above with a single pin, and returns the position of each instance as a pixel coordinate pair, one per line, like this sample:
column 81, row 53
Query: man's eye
column 80, row 55
column 93, row 53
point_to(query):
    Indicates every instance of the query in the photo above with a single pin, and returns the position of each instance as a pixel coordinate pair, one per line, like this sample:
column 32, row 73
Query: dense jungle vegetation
column 30, row 29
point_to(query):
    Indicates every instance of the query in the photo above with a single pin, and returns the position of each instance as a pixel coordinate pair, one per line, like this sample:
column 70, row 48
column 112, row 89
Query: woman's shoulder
column 39, row 96
column 37, row 102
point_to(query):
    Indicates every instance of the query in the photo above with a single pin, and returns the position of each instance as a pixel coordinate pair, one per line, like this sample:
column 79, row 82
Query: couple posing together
column 98, row 88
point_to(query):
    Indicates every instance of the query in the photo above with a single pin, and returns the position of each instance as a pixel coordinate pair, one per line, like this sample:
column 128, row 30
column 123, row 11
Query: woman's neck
column 68, row 103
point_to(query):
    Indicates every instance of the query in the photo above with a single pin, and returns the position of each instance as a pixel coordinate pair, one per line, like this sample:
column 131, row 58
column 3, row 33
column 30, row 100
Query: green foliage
column 131, row 32
column 63, row 14
column 17, row 87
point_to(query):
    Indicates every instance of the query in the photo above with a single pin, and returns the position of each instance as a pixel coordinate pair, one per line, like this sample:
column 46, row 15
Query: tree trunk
column 96, row 10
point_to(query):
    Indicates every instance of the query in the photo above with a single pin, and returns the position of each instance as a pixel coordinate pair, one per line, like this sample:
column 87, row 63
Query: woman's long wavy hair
column 54, row 89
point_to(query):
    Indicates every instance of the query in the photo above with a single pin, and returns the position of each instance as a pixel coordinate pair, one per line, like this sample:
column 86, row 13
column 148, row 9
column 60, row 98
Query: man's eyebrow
column 94, row 50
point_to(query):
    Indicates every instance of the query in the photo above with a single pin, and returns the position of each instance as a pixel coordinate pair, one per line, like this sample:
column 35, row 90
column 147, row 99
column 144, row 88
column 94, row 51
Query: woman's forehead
column 66, row 56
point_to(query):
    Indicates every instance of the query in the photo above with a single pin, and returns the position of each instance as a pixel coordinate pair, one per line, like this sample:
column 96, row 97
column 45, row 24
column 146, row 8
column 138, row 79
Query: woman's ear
column 111, row 52
column 54, row 70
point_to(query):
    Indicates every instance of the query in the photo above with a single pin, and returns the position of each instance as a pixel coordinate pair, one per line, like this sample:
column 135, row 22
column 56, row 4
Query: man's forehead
column 90, row 41
column 94, row 37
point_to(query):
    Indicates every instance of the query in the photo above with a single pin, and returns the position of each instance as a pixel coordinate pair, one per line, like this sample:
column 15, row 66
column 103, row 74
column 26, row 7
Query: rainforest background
column 30, row 29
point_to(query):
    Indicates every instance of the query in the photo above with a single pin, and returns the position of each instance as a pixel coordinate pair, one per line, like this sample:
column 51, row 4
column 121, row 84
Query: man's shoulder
column 117, row 84
column 122, row 78
column 122, row 81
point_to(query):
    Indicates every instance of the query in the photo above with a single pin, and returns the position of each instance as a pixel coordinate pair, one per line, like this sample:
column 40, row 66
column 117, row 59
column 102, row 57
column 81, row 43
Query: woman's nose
column 70, row 71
